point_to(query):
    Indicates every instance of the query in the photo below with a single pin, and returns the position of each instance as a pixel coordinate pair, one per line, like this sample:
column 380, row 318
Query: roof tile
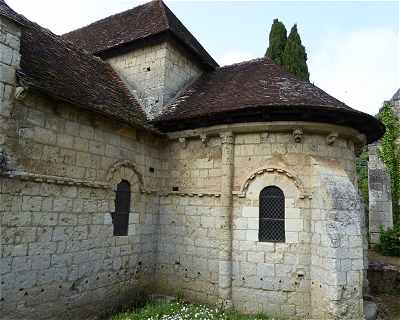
column 56, row 67
column 145, row 21
column 255, row 90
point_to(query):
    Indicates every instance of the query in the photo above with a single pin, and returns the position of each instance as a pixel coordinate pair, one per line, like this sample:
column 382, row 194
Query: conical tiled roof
column 259, row 90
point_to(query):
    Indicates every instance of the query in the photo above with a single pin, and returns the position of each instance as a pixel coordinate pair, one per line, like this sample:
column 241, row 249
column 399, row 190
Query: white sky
column 354, row 59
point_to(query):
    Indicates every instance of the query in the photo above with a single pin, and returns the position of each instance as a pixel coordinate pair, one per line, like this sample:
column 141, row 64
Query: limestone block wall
column 58, row 252
column 10, row 35
column 276, row 278
column 155, row 73
column 337, row 251
column 180, row 70
column 380, row 196
column 188, row 231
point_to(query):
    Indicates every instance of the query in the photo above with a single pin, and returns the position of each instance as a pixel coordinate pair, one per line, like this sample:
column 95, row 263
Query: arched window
column 272, row 215
column 122, row 208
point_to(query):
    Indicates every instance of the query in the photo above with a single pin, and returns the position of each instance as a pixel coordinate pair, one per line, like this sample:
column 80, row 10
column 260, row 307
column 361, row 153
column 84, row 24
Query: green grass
column 184, row 311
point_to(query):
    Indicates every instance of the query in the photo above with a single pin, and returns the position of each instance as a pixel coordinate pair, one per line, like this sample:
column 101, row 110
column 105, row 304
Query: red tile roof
column 259, row 90
column 55, row 67
column 142, row 22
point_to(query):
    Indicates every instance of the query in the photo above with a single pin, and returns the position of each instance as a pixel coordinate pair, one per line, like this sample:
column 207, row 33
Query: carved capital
column 331, row 138
column 298, row 135
column 183, row 142
column 204, row 139
column 20, row 93
column 227, row 137
column 264, row 137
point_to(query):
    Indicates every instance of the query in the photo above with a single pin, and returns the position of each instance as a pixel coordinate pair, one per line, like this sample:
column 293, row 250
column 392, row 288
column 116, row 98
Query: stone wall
column 188, row 243
column 379, row 188
column 155, row 73
column 380, row 196
column 10, row 34
column 58, row 252
column 337, row 251
column 276, row 278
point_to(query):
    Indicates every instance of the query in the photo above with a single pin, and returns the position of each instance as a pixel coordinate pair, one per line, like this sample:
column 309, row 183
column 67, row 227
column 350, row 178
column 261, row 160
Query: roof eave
column 364, row 123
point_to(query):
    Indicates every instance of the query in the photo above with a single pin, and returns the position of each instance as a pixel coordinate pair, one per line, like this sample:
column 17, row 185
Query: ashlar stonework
column 194, row 186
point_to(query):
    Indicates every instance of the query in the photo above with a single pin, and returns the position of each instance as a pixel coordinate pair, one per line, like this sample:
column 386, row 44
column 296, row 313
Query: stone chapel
column 131, row 162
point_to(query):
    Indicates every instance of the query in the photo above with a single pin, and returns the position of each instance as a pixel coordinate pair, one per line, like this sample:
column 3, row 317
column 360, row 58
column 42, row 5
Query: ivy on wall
column 362, row 174
column 389, row 153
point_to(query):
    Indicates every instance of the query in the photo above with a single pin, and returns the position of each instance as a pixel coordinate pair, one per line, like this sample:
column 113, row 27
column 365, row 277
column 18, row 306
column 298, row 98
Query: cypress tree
column 277, row 42
column 295, row 56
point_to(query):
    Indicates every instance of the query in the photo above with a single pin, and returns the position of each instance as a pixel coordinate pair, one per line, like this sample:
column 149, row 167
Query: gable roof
column 142, row 22
column 259, row 90
column 55, row 67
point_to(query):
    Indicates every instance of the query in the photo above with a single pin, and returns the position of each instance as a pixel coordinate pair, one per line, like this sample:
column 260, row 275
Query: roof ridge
column 109, row 17
column 164, row 13
column 242, row 63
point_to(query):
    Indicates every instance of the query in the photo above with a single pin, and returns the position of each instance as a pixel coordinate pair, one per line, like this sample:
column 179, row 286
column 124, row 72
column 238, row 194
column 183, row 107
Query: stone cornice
column 328, row 130
column 39, row 178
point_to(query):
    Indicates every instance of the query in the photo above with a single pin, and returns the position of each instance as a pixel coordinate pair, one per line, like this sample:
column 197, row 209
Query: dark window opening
column 151, row 169
column 122, row 207
column 175, row 189
column 272, row 215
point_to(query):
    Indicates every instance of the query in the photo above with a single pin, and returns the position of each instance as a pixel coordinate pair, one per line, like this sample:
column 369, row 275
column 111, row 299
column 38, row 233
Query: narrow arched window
column 122, row 208
column 272, row 215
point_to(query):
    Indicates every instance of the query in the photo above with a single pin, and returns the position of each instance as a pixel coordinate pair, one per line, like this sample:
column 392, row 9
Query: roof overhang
column 362, row 122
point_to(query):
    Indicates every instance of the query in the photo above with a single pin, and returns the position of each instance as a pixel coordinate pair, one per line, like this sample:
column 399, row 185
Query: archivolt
column 296, row 181
column 118, row 166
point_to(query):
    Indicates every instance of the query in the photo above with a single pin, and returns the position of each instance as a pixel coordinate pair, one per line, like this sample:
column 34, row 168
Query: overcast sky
column 353, row 47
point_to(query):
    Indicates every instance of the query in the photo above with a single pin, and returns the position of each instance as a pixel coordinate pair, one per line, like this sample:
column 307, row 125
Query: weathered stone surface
column 380, row 197
column 155, row 74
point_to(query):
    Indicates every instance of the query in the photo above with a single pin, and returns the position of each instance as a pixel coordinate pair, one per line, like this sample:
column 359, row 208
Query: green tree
column 295, row 56
column 389, row 153
column 277, row 42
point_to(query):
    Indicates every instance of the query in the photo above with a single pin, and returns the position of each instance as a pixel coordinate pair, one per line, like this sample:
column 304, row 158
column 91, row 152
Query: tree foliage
column 389, row 241
column 295, row 56
column 389, row 153
column 277, row 42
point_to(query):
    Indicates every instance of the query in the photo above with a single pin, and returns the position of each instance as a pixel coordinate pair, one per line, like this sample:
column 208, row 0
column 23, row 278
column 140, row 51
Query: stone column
column 225, row 221
column 380, row 197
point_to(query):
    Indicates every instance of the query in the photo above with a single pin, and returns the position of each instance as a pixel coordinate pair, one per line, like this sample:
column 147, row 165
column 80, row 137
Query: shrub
column 390, row 241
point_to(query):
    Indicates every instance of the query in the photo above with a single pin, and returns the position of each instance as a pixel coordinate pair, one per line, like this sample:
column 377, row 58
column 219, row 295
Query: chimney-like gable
column 150, row 49
column 155, row 73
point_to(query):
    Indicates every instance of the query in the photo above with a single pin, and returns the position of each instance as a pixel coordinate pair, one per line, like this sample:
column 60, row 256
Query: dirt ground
column 388, row 306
